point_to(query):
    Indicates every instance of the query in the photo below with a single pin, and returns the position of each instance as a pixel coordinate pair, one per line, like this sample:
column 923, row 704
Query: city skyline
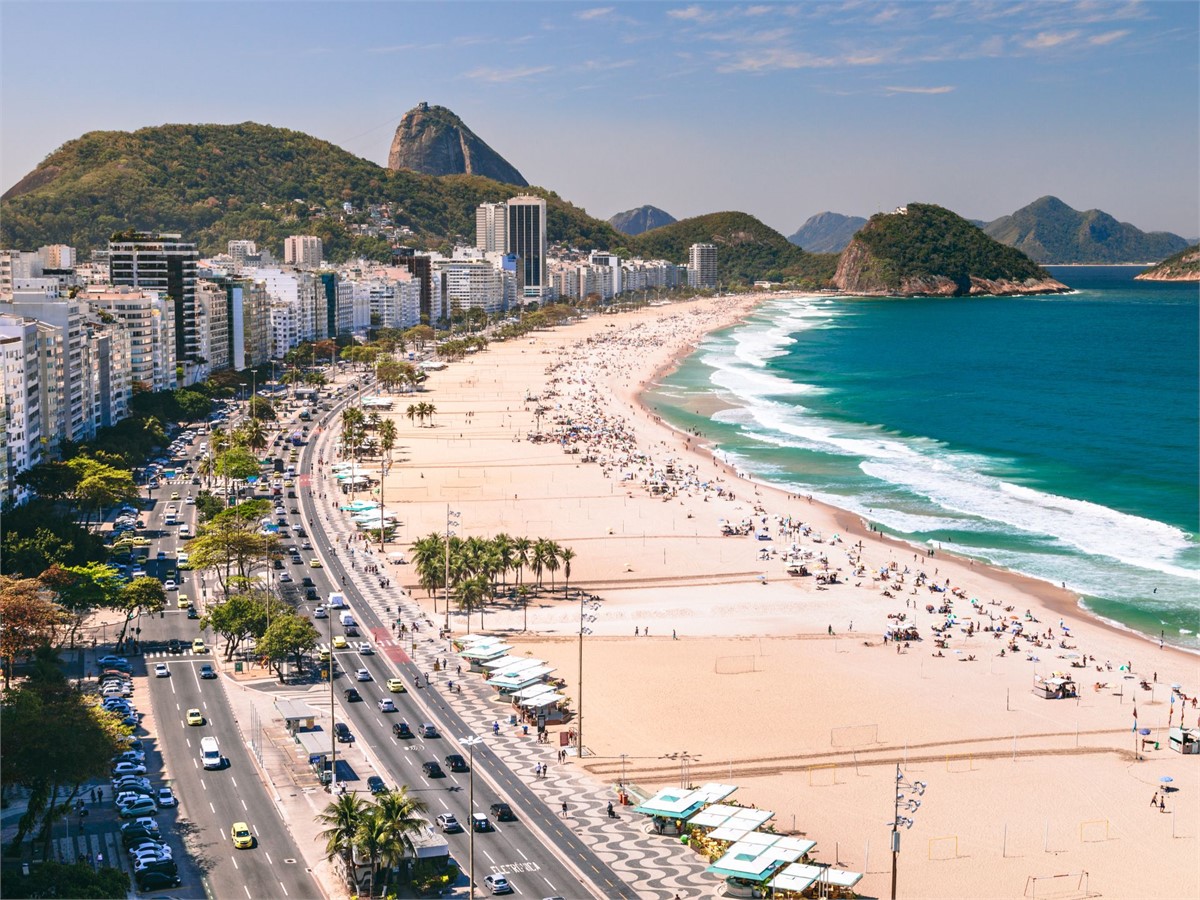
column 779, row 110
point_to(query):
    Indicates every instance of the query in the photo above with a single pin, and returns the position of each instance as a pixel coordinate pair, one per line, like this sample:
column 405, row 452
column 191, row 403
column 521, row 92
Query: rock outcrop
column 925, row 250
column 1183, row 266
column 434, row 141
column 644, row 218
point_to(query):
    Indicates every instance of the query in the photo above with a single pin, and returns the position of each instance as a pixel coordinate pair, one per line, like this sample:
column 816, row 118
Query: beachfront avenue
column 543, row 855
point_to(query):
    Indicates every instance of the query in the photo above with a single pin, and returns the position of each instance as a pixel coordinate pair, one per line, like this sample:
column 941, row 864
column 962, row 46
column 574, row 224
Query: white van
column 210, row 753
column 337, row 601
column 184, row 530
column 346, row 618
column 170, row 519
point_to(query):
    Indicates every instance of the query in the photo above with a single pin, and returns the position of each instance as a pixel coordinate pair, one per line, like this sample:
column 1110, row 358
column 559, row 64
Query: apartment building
column 304, row 251
column 20, row 406
column 149, row 320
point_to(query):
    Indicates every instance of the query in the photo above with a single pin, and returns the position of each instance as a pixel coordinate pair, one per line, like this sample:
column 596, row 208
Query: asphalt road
column 530, row 851
column 211, row 800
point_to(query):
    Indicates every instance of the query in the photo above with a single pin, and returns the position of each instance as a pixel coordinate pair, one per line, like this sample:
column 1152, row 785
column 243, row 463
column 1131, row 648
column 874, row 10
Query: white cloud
column 941, row 89
column 1047, row 39
column 503, row 76
column 597, row 12
column 605, row 65
column 1100, row 40
column 692, row 13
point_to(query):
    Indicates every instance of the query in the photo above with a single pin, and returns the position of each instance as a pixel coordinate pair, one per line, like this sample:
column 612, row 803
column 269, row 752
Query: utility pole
column 450, row 520
column 332, row 713
column 579, row 713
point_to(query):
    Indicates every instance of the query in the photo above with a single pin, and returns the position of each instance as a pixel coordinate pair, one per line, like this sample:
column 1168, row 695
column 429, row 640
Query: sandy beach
column 781, row 685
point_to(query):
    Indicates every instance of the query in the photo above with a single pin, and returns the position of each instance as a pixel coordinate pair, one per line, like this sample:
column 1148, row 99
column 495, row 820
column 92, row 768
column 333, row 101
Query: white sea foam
column 966, row 491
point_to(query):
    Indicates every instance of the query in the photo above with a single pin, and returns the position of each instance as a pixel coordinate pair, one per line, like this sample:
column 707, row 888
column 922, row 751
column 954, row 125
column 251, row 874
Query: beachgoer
column 1154, row 799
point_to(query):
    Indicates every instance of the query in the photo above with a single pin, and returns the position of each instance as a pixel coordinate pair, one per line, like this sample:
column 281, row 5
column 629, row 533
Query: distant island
column 644, row 218
column 925, row 250
column 1183, row 266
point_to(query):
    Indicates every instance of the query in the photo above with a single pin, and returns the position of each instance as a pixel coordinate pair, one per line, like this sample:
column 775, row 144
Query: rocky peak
column 434, row 141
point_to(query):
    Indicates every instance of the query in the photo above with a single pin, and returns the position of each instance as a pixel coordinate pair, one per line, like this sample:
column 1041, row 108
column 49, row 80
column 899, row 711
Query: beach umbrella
column 1143, row 731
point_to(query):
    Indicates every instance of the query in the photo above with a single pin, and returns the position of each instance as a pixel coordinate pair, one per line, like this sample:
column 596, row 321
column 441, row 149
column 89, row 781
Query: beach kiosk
column 755, row 859
column 1184, row 740
column 730, row 823
column 816, row 881
column 669, row 810
column 1057, row 687
column 512, row 681
column 483, row 652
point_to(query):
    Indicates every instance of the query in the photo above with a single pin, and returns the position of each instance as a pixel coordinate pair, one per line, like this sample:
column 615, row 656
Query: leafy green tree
column 50, row 480
column 238, row 619
column 262, row 408
column 56, row 879
column 32, row 618
column 82, row 589
column 101, row 485
column 207, row 505
column 43, row 535
column 142, row 595
column 289, row 635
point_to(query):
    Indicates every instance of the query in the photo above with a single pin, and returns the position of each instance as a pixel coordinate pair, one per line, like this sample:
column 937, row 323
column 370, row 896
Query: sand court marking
column 943, row 848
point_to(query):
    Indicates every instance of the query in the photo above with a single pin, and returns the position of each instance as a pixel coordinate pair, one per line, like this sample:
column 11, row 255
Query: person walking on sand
column 1154, row 799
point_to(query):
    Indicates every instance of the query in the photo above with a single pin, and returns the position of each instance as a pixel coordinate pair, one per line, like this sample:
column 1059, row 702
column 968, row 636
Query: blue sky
column 782, row 110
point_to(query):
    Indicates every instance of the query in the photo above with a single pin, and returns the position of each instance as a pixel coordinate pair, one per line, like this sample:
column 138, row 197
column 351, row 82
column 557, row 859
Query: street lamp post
column 332, row 714
column 451, row 519
column 906, row 799
column 469, row 742
column 579, row 709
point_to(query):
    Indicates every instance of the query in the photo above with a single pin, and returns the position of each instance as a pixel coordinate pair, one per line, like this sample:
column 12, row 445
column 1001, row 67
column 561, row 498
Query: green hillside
column 1049, row 231
column 931, row 242
column 747, row 250
column 1183, row 266
column 215, row 183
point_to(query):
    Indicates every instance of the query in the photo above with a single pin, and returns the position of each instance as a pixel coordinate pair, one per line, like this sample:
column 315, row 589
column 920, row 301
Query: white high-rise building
column 57, row 256
column 491, row 227
column 20, row 405
column 303, row 251
column 14, row 265
column 470, row 284
column 702, row 266
column 149, row 320
column 242, row 252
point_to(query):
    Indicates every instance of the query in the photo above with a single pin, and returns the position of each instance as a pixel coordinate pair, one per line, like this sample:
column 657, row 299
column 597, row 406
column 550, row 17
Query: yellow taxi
column 184, row 602
column 198, row 646
column 396, row 686
column 174, row 495
column 339, row 642
column 242, row 838
column 195, row 717
column 314, row 563
column 324, row 655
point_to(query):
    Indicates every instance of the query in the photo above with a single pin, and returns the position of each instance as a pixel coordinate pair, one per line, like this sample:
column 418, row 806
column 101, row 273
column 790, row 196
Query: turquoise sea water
column 1056, row 436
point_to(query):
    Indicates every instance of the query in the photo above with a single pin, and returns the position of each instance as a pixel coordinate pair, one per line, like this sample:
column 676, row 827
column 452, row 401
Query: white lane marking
column 196, row 764
column 517, row 889
column 268, row 856
column 234, row 780
column 173, row 691
column 549, row 882
column 285, row 893
column 489, row 856
column 203, row 785
column 244, row 806
column 235, row 865
column 247, row 890
column 523, row 856
column 213, row 808
column 189, row 742
column 447, row 808
column 379, row 720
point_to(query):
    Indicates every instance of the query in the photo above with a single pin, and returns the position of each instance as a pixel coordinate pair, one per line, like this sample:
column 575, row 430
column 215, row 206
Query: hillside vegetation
column 1183, row 266
column 747, row 249
column 930, row 250
column 1049, row 231
column 215, row 183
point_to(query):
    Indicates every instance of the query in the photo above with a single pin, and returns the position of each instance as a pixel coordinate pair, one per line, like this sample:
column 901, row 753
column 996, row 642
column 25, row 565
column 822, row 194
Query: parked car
column 141, row 807
column 376, row 785
column 155, row 880
column 128, row 768
column 342, row 730
column 165, row 797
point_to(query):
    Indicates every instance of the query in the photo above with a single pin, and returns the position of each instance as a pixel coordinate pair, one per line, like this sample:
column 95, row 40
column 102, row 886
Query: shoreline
column 774, row 682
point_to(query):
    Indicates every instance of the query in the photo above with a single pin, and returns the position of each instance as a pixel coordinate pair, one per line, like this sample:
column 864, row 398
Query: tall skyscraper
column 422, row 267
column 702, row 266
column 527, row 239
column 166, row 264
column 303, row 251
column 491, row 227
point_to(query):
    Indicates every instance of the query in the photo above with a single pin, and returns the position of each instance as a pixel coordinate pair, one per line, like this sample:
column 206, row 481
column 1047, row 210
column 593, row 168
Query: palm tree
column 387, row 438
column 430, row 409
column 552, row 553
column 522, row 547
column 429, row 559
column 538, row 563
column 402, row 814
column 252, row 435
column 204, row 469
column 471, row 591
column 412, row 411
column 503, row 545
column 566, row 554
column 342, row 816
column 370, row 840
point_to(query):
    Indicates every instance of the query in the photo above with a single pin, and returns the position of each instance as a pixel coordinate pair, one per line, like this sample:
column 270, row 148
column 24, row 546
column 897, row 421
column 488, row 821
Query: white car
column 161, row 671
column 128, row 768
column 319, row 613
column 284, row 578
column 165, row 797
column 364, row 648
column 362, row 675
column 386, row 705
column 170, row 585
column 189, row 501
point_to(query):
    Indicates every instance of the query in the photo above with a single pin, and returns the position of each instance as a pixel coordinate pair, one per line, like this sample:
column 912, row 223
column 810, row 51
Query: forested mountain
column 747, row 249
column 1048, row 231
column 215, row 183
column 827, row 232
column 928, row 250
column 644, row 218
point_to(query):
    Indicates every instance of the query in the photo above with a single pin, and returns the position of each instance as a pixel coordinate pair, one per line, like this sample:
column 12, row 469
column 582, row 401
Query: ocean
column 1057, row 436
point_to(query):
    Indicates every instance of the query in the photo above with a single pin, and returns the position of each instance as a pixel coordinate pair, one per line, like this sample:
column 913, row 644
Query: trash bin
column 1156, row 745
